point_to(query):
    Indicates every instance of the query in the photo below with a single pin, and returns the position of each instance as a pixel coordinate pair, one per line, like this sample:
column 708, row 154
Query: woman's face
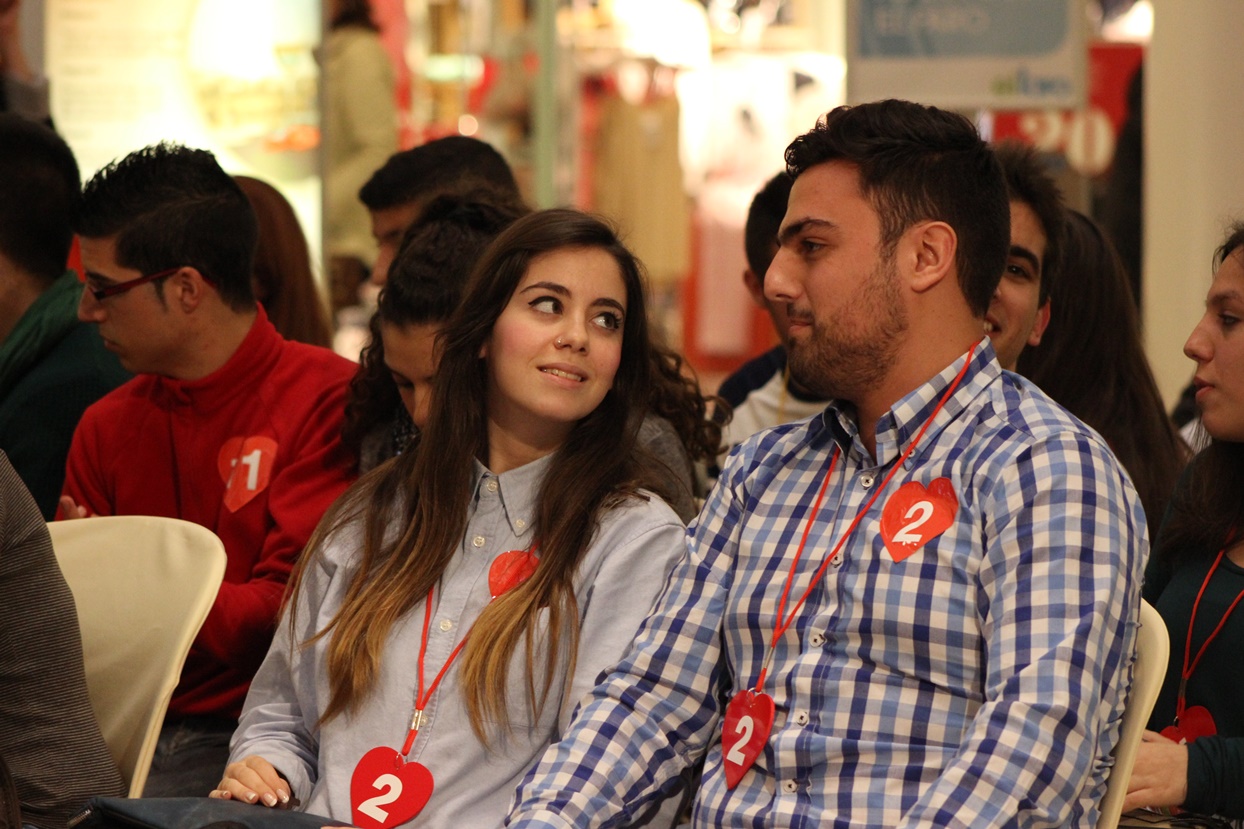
column 556, row 347
column 1217, row 345
column 411, row 357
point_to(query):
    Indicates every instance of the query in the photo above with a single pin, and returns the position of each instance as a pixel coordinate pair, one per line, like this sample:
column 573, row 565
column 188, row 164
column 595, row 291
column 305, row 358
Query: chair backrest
column 143, row 587
column 1153, row 649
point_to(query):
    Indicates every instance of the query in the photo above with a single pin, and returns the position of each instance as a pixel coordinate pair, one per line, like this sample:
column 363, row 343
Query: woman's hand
column 253, row 780
column 1160, row 776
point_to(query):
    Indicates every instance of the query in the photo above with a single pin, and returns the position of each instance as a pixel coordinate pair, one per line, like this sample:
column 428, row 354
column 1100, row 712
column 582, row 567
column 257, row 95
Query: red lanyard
column 784, row 622
column 1187, row 671
column 422, row 697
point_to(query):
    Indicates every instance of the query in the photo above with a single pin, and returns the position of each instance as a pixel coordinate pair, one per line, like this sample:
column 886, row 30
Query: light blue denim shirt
column 621, row 574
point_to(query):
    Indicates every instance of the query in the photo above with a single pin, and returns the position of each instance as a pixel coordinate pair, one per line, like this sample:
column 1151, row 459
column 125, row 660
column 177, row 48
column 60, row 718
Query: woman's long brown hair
column 426, row 493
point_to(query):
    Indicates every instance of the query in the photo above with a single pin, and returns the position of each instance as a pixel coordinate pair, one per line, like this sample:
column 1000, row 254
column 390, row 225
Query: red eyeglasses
column 122, row 287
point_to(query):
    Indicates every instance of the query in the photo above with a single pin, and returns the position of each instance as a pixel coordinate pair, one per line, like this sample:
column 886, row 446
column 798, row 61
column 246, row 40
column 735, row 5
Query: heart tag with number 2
column 749, row 719
column 913, row 516
column 1197, row 721
column 386, row 790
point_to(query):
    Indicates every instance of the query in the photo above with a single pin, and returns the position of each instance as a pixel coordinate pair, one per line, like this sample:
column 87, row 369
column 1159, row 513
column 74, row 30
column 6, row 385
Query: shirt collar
column 902, row 422
column 253, row 359
column 519, row 489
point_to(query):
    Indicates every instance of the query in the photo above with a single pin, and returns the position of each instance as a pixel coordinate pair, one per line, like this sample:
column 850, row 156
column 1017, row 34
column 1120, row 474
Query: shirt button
column 491, row 486
column 520, row 523
column 477, row 541
column 836, row 560
column 816, row 640
column 801, row 718
column 866, row 480
column 446, row 625
column 790, row 786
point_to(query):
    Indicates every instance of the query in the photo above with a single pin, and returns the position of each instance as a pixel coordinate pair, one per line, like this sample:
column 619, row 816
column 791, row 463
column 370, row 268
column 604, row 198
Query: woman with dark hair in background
column 389, row 394
column 456, row 604
column 282, row 277
column 1092, row 362
column 1195, row 579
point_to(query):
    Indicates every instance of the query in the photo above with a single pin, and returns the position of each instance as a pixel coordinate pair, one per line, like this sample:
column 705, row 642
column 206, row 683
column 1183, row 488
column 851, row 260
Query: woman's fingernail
column 269, row 799
column 251, row 797
column 284, row 796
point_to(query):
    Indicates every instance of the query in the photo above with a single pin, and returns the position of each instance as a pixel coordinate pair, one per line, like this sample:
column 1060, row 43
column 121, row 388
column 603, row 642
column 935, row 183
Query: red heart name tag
column 386, row 790
column 1196, row 722
column 245, row 465
column 749, row 719
column 913, row 516
column 509, row 570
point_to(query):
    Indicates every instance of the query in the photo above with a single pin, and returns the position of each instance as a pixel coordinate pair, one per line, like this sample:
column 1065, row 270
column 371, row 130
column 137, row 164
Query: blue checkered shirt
column 978, row 682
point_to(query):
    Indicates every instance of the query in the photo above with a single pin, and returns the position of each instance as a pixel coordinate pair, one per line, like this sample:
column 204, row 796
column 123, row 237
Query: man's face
column 1016, row 319
column 387, row 226
column 846, row 315
column 138, row 326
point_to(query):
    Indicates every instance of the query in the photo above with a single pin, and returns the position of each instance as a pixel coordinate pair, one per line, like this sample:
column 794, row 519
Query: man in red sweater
column 227, row 424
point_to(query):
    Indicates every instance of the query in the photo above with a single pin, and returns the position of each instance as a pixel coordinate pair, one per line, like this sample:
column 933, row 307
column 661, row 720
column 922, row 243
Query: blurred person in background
column 282, row 278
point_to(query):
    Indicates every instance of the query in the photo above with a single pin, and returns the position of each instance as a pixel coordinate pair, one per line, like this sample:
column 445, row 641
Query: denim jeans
column 190, row 757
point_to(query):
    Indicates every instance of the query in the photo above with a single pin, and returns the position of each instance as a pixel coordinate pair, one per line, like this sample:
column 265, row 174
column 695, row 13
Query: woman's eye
column 1227, row 321
column 608, row 320
column 546, row 305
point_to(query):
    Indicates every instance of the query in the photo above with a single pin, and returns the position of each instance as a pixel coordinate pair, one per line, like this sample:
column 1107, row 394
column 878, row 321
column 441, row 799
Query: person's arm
column 239, row 626
column 657, row 712
column 1059, row 582
column 274, row 754
column 638, row 552
column 85, row 483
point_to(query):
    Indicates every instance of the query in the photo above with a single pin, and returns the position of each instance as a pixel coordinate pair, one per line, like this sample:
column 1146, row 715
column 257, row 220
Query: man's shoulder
column 1014, row 419
column 301, row 367
column 752, row 375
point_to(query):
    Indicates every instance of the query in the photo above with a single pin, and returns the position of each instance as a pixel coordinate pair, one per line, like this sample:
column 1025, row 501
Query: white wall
column 1194, row 167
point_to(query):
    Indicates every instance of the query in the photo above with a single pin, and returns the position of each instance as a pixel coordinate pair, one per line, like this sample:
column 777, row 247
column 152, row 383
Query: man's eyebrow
column 1021, row 252
column 98, row 277
column 795, row 228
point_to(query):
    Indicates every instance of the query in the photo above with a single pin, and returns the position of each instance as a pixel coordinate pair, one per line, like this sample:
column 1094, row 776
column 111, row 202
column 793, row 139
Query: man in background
column 52, row 366
column 762, row 393
column 1020, row 310
column 226, row 424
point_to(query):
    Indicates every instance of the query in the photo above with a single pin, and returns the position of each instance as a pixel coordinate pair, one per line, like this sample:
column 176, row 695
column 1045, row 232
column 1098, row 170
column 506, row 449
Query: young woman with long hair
column 456, row 604
column 1091, row 360
column 1194, row 756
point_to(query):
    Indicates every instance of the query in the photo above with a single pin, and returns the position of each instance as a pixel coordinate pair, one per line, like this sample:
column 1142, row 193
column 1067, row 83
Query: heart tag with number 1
column 749, row 719
column 386, row 790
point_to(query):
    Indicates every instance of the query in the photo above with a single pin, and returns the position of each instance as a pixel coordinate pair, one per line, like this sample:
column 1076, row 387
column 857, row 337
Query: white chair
column 1153, row 649
column 143, row 587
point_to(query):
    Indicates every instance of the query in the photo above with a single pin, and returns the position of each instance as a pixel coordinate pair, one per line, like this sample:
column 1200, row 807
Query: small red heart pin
column 1196, row 722
column 744, row 732
column 913, row 516
column 386, row 791
column 509, row 570
column 245, row 465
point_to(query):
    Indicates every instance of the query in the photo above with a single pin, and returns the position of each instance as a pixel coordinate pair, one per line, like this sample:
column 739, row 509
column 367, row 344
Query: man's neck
column 213, row 342
column 902, row 380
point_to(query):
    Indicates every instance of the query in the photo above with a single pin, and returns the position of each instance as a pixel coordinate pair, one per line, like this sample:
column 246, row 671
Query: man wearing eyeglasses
column 227, row 424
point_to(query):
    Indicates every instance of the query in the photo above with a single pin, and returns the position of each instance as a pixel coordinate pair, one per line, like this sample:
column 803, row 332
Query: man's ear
column 755, row 287
column 1042, row 322
column 186, row 289
column 930, row 249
